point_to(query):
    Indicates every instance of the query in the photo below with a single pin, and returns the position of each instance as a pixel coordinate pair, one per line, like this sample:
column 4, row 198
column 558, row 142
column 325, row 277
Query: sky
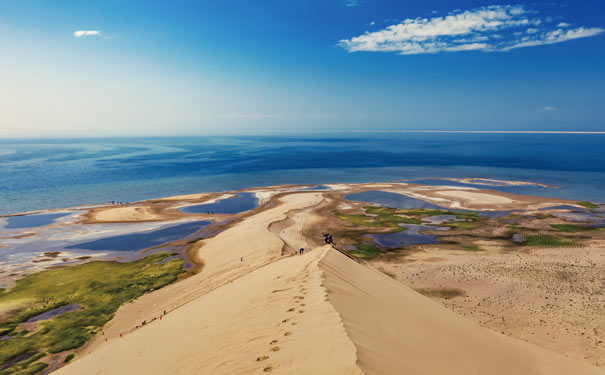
column 114, row 67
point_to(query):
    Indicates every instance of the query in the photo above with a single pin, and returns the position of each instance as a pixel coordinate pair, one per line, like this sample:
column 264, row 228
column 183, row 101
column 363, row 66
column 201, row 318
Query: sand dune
column 398, row 331
column 317, row 313
column 274, row 319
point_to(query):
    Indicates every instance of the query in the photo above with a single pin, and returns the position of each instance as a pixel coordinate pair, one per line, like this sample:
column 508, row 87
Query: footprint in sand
column 275, row 349
column 285, row 321
column 273, row 342
column 287, row 333
column 302, row 304
column 263, row 358
column 301, row 311
column 293, row 323
column 268, row 369
column 290, row 310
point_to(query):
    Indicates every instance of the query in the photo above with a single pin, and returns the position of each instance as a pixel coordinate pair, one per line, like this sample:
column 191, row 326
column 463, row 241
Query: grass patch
column 569, row 228
column 462, row 224
column 588, row 204
column 446, row 293
column 100, row 288
column 517, row 228
column 471, row 248
column 549, row 241
column 365, row 251
column 384, row 218
column 425, row 212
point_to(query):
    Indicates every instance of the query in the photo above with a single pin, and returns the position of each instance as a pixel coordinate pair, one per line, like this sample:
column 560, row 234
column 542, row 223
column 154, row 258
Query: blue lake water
column 240, row 203
column 392, row 200
column 411, row 236
column 54, row 173
column 142, row 240
column 32, row 221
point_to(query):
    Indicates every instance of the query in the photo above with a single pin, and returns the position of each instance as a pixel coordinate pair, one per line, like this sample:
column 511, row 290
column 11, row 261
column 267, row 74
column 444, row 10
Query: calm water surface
column 55, row 173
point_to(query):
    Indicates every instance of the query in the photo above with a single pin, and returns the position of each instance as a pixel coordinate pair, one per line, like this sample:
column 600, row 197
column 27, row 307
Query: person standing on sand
column 301, row 250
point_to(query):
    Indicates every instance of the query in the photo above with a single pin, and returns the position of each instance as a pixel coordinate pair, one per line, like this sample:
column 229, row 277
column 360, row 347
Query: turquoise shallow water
column 54, row 173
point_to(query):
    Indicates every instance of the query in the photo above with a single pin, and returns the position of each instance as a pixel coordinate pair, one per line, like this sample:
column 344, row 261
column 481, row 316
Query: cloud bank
column 491, row 29
column 80, row 33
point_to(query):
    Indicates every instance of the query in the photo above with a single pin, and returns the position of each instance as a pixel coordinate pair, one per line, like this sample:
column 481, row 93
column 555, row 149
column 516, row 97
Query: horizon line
column 216, row 132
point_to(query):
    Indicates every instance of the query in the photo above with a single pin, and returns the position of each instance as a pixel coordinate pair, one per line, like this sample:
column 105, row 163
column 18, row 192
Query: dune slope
column 398, row 331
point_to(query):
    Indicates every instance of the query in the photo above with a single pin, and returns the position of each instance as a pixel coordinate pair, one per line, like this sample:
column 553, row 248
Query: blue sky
column 191, row 67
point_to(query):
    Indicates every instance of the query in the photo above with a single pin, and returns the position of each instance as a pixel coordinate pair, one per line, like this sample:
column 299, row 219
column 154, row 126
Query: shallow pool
column 235, row 205
column 393, row 200
column 32, row 221
column 143, row 240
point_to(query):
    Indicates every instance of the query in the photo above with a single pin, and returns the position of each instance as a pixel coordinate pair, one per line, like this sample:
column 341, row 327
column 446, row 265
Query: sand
column 552, row 297
column 273, row 319
column 477, row 198
column 398, row 331
column 253, row 309
column 124, row 214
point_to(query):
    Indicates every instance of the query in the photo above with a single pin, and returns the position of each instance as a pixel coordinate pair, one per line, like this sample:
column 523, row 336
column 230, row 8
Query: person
column 301, row 250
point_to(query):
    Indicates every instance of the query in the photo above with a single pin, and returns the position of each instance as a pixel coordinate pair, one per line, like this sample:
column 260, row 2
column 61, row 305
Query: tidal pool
column 143, row 240
column 411, row 236
column 32, row 221
column 393, row 200
column 54, row 312
column 234, row 205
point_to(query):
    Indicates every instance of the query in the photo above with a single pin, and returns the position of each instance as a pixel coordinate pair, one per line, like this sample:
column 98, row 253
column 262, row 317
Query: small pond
column 143, row 240
column 32, row 221
column 234, row 205
column 54, row 312
column 411, row 236
column 393, row 200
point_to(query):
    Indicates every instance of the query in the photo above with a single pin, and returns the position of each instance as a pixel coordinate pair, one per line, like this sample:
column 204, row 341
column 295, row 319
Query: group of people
column 328, row 239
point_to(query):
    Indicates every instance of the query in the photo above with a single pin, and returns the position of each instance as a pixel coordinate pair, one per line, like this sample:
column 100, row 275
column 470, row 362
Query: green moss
column 517, row 228
column 568, row 228
column 100, row 288
column 471, row 248
column 425, row 212
column 588, row 204
column 33, row 369
column 365, row 251
column 383, row 218
column 549, row 241
column 461, row 224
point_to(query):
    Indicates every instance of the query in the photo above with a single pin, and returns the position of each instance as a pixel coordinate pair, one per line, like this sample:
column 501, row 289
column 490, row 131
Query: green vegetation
column 514, row 217
column 69, row 358
column 384, row 218
column 568, row 228
column 518, row 227
column 365, row 251
column 588, row 204
column 99, row 288
column 462, row 224
column 471, row 248
column 446, row 293
column 549, row 241
column 424, row 212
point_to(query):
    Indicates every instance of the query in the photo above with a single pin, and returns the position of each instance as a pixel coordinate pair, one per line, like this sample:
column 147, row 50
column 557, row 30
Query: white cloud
column 492, row 28
column 80, row 33
column 563, row 24
column 372, row 23
column 550, row 109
